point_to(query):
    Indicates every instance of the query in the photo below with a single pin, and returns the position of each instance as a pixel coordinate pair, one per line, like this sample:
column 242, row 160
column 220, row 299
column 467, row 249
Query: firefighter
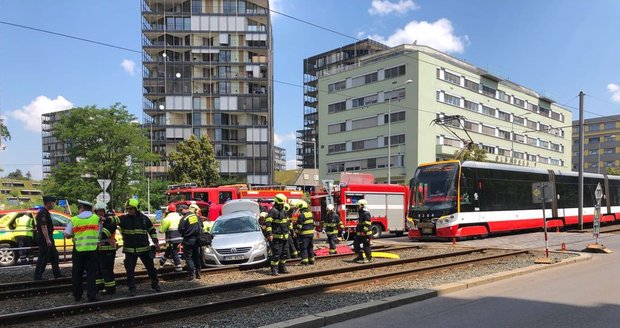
column 170, row 228
column 278, row 231
column 362, row 233
column 45, row 240
column 189, row 228
column 136, row 229
column 84, row 229
column 305, row 228
column 293, row 244
column 107, row 250
column 333, row 226
column 24, row 235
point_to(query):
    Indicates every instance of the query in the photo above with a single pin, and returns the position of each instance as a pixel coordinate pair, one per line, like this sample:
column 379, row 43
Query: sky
column 556, row 47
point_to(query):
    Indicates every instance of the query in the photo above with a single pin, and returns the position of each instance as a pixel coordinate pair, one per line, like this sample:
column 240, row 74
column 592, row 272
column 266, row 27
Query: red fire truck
column 215, row 197
column 386, row 203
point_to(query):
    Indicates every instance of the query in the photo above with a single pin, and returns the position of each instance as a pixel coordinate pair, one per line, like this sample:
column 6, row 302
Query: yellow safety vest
column 23, row 226
column 85, row 233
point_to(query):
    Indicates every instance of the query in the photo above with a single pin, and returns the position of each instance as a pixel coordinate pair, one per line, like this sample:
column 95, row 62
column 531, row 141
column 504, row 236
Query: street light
column 389, row 172
column 598, row 152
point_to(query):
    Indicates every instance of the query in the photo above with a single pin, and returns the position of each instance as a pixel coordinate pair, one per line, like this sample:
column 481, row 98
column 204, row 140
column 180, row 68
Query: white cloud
column 30, row 114
column 279, row 139
column 438, row 35
column 129, row 66
column 385, row 7
column 615, row 92
column 291, row 164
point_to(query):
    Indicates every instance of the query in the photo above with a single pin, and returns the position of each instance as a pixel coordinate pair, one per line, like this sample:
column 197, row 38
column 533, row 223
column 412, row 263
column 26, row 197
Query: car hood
column 245, row 239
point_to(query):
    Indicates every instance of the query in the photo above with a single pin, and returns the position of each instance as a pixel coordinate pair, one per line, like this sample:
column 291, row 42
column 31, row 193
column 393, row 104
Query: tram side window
column 589, row 187
column 506, row 190
column 467, row 190
column 614, row 192
column 566, row 187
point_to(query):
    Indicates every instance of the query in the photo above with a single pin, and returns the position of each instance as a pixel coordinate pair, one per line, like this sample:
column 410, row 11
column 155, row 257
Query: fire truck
column 386, row 203
column 215, row 197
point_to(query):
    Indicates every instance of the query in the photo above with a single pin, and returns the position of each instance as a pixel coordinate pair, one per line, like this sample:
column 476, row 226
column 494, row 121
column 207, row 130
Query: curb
column 358, row 310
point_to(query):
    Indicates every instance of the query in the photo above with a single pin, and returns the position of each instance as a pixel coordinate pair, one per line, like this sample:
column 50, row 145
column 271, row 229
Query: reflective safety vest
column 24, row 226
column 85, row 233
column 305, row 223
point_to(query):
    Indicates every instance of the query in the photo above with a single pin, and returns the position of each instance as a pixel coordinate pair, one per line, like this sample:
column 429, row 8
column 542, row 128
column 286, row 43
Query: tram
column 451, row 199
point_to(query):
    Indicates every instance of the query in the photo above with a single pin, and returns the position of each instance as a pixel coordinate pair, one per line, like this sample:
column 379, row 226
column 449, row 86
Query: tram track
column 243, row 300
column 63, row 285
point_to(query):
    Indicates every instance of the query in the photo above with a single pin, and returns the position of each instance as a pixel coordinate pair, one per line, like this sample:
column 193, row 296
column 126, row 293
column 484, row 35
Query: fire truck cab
column 386, row 203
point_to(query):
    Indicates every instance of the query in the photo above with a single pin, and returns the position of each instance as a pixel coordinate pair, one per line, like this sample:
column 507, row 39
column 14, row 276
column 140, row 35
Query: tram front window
column 434, row 190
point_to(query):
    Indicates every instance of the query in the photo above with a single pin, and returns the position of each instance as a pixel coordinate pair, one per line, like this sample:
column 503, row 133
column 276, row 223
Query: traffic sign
column 598, row 193
column 104, row 183
column 103, row 197
column 542, row 191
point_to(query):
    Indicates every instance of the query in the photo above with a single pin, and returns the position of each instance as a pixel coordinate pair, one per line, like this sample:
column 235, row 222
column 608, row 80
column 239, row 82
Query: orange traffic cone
column 563, row 247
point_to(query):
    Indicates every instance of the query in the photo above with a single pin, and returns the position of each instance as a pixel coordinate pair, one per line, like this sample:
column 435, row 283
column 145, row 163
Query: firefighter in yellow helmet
column 293, row 244
column 332, row 225
column 305, row 228
column 278, row 231
column 363, row 233
column 136, row 229
column 106, row 249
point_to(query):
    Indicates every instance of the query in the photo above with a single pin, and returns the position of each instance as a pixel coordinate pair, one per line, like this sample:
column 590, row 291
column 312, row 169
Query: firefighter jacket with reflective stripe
column 305, row 223
column 190, row 225
column 170, row 227
column 24, row 226
column 136, row 230
column 85, row 233
column 332, row 223
column 278, row 224
column 363, row 223
column 107, row 242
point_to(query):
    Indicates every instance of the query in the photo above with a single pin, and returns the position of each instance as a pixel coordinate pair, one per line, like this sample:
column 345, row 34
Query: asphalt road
column 585, row 294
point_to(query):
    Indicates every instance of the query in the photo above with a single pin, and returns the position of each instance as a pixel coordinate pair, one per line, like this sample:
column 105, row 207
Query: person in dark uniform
column 363, row 233
column 136, row 228
column 293, row 240
column 332, row 226
column 84, row 229
column 190, row 227
column 305, row 228
column 45, row 240
column 278, row 230
column 107, row 250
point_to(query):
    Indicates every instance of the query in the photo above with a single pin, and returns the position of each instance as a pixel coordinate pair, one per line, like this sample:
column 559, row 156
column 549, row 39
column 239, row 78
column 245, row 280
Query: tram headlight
column 445, row 219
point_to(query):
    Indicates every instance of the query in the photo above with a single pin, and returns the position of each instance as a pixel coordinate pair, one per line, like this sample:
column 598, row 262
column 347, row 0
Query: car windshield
column 235, row 225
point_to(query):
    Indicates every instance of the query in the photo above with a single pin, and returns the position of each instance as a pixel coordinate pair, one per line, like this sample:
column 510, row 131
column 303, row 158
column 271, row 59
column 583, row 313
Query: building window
column 531, row 158
column 452, row 100
column 543, row 111
column 471, row 105
column 593, row 140
column 518, row 120
column 471, row 126
column 364, row 101
column 337, row 107
column 531, row 107
column 544, row 160
column 336, row 148
column 593, row 151
column 518, row 102
column 471, row 85
column 396, row 117
column 489, row 149
column 610, row 150
column 610, row 125
column 365, row 79
column 452, row 78
column 336, row 128
column 365, row 144
column 488, row 111
column 488, row 91
column 519, row 138
column 451, row 142
column 364, row 123
column 337, row 86
column 554, row 161
column 395, row 140
column 490, row 131
column 503, row 116
column 531, row 124
column 394, row 72
column 501, row 95
column 610, row 138
column 395, row 95
column 518, row 155
column 594, row 127
column 504, row 134
column 609, row 163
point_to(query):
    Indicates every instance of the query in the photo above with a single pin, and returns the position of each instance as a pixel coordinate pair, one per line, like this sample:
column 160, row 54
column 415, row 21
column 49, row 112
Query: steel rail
column 75, row 309
column 35, row 288
column 201, row 309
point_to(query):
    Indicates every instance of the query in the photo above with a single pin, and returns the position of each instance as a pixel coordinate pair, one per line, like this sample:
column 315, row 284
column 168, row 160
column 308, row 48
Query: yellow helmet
column 194, row 208
column 302, row 204
column 287, row 206
column 132, row 202
column 330, row 207
column 362, row 203
column 279, row 199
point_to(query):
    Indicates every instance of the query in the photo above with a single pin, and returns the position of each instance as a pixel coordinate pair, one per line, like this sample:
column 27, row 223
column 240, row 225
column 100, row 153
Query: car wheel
column 376, row 230
column 8, row 257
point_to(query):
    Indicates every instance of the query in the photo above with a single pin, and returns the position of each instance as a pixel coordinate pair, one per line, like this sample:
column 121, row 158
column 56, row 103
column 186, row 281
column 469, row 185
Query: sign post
column 596, row 225
column 104, row 196
column 541, row 194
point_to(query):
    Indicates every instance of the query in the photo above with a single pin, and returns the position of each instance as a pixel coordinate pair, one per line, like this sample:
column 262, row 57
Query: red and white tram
column 451, row 199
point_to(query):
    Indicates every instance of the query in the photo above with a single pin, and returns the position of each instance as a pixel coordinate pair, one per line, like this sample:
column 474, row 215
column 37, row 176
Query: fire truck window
column 203, row 196
column 225, row 196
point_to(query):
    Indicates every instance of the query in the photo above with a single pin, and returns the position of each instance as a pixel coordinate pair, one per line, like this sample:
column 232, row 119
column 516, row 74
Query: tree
column 194, row 161
column 18, row 175
column 157, row 192
column 105, row 143
column 475, row 153
column 4, row 131
column 28, row 175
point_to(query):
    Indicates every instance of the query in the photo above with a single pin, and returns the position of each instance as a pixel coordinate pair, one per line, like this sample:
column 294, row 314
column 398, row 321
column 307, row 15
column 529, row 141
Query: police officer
column 45, row 240
column 189, row 228
column 332, row 225
column 107, row 249
column 362, row 233
column 278, row 231
column 170, row 227
column 24, row 235
column 305, row 228
column 84, row 229
column 136, row 229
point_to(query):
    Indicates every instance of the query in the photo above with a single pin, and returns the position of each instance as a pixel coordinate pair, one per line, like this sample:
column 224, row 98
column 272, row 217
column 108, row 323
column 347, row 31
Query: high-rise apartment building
column 378, row 113
column 315, row 67
column 54, row 151
column 601, row 144
column 279, row 158
column 207, row 71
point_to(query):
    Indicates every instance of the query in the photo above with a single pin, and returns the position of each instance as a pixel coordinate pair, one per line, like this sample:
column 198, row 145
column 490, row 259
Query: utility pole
column 581, row 148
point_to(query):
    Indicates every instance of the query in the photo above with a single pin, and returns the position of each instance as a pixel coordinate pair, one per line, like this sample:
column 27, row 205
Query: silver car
column 237, row 237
